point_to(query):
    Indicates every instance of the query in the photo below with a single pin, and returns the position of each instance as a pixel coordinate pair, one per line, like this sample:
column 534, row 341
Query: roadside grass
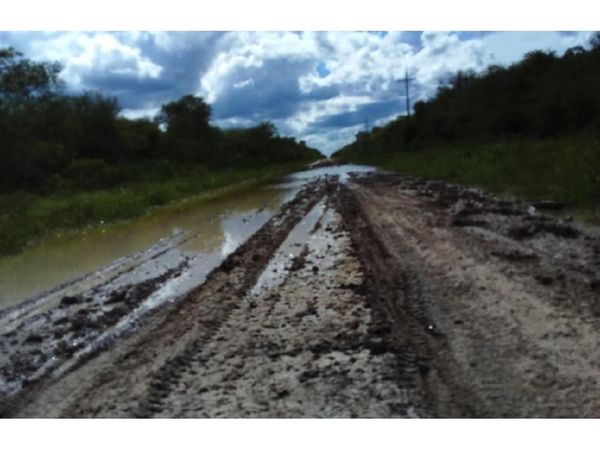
column 25, row 217
column 565, row 170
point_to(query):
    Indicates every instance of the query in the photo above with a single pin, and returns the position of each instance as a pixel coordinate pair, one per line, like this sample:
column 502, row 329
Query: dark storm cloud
column 189, row 58
column 181, row 66
column 132, row 92
column 182, row 56
column 266, row 93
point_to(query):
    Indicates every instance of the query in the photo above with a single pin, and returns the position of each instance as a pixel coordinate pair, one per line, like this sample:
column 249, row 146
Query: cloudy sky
column 322, row 87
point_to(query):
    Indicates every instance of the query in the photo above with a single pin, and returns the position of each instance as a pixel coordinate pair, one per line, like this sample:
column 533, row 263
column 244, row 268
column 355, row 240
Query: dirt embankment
column 383, row 297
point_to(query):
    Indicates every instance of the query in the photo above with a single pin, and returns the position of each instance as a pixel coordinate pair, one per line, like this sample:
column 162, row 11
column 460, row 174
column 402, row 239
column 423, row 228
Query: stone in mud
column 353, row 325
column 432, row 330
column 61, row 321
column 58, row 334
column 282, row 394
column 228, row 265
column 544, row 279
column 116, row 297
column 78, row 324
column 68, row 300
column 468, row 222
column 515, row 255
column 548, row 205
column 140, row 292
column 378, row 347
column 561, row 230
column 504, row 211
column 522, row 231
column 424, row 368
column 112, row 316
column 34, row 339
column 64, row 349
column 308, row 375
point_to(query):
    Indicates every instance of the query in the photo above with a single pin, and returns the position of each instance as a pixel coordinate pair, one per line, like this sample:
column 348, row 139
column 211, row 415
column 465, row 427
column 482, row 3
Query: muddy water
column 201, row 232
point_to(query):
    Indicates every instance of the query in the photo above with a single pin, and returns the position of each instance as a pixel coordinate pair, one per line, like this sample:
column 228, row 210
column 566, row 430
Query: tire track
column 109, row 384
column 512, row 335
column 300, row 347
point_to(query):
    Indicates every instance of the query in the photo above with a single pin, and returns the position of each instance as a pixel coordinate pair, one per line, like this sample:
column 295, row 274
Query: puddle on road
column 201, row 232
column 282, row 260
column 190, row 229
column 298, row 179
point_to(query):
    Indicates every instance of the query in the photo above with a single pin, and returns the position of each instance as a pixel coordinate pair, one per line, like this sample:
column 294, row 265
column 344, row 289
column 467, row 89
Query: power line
column 406, row 80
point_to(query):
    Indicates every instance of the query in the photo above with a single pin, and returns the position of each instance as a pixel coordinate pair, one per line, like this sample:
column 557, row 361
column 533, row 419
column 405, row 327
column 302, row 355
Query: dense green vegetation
column 71, row 160
column 532, row 128
column 529, row 168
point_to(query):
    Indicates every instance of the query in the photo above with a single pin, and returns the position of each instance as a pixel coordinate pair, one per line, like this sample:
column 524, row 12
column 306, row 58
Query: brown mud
column 385, row 296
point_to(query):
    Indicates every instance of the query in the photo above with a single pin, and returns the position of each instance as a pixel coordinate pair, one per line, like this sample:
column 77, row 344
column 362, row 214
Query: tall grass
column 25, row 217
column 565, row 170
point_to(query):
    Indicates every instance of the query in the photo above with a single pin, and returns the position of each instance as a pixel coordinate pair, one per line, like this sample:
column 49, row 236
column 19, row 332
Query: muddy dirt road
column 383, row 296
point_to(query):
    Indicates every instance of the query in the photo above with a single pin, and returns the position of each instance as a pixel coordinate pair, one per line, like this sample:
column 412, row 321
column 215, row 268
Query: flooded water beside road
column 199, row 233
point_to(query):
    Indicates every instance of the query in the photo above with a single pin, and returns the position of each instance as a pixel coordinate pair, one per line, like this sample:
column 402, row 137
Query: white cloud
column 103, row 53
column 250, row 51
column 314, row 111
column 243, row 84
column 139, row 113
column 362, row 68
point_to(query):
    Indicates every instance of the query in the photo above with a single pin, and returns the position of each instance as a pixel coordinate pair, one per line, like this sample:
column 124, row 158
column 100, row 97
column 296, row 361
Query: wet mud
column 379, row 296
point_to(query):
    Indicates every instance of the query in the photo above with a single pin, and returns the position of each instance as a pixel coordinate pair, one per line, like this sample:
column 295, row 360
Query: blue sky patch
column 322, row 69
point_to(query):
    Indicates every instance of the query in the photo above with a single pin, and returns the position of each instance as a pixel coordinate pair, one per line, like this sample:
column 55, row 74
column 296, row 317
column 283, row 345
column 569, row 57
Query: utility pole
column 366, row 124
column 406, row 80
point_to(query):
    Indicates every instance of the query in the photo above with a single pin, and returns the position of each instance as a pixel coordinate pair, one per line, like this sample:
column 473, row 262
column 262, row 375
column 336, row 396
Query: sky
column 320, row 87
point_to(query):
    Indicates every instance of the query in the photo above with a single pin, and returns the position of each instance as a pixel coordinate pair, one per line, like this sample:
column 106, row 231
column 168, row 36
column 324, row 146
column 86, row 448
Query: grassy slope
column 26, row 217
column 566, row 170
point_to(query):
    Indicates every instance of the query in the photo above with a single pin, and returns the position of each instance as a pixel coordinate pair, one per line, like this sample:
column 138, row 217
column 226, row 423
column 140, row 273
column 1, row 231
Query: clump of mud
column 45, row 340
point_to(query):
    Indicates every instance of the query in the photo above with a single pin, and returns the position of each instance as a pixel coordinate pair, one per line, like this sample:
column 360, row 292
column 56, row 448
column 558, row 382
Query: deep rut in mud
column 301, row 344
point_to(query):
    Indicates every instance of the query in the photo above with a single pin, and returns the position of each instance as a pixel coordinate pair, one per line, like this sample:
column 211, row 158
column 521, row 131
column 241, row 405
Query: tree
column 24, row 78
column 53, row 141
column 139, row 138
column 264, row 131
column 595, row 40
column 188, row 131
column 187, row 117
column 541, row 96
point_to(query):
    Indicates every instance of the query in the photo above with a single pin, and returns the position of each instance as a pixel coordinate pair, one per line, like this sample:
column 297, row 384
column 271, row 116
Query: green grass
column 565, row 170
column 26, row 217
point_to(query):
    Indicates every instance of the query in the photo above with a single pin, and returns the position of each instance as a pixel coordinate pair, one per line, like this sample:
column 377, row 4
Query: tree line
column 543, row 96
column 54, row 141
